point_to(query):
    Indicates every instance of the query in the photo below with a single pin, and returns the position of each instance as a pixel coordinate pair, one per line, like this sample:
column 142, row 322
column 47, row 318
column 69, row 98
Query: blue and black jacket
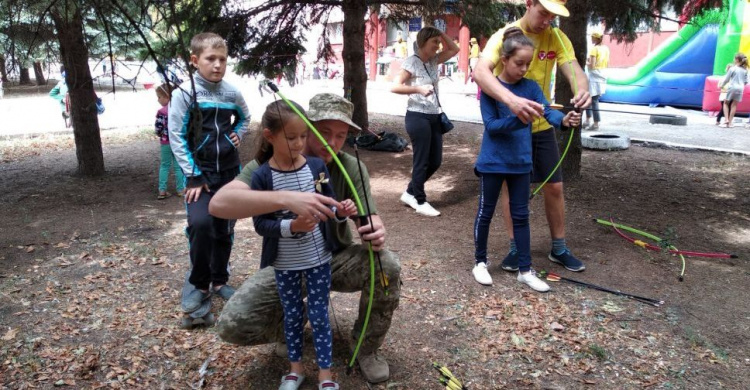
column 200, row 125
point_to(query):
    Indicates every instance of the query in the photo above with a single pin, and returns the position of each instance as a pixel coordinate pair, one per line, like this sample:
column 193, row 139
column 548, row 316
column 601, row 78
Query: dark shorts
column 545, row 155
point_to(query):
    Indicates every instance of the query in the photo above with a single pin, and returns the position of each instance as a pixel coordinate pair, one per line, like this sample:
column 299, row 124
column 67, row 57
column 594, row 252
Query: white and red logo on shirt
column 547, row 55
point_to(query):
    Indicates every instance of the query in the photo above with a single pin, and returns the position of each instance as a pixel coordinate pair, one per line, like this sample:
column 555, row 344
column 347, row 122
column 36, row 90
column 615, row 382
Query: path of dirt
column 92, row 269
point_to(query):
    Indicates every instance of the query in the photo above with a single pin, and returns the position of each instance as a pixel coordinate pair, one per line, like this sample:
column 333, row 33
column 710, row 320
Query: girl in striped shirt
column 297, row 246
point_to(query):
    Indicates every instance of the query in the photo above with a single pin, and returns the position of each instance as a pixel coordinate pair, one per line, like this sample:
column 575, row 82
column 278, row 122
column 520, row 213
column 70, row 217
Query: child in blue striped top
column 297, row 246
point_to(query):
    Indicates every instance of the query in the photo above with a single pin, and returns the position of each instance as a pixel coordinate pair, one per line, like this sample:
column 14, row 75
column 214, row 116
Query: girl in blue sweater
column 506, row 156
column 298, row 248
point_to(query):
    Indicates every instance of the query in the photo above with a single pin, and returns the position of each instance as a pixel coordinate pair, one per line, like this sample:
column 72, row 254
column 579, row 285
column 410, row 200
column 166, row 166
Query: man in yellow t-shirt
column 551, row 48
column 473, row 54
column 401, row 49
column 596, row 62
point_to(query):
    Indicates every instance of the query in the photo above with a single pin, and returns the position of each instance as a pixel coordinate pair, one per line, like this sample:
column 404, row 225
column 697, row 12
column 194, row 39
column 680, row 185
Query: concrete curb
column 673, row 145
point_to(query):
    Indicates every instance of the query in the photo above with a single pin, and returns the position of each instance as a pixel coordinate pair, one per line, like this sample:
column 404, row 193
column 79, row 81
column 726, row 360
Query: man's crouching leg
column 253, row 315
column 350, row 272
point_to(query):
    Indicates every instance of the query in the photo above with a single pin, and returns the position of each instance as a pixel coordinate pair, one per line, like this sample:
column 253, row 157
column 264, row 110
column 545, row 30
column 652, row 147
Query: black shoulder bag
column 445, row 124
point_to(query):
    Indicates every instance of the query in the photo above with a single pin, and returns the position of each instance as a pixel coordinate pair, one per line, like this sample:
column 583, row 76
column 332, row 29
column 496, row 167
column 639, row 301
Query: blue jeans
column 490, row 185
column 318, row 283
column 595, row 109
column 167, row 162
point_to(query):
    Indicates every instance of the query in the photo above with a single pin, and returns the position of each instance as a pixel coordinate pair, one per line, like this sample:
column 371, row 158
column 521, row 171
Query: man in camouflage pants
column 254, row 315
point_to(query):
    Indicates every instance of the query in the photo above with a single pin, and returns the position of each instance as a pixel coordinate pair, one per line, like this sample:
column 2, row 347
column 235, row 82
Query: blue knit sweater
column 506, row 144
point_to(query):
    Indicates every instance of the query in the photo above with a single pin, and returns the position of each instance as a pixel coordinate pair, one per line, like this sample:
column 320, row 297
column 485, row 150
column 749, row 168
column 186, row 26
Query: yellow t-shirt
column 601, row 56
column 548, row 51
column 474, row 53
column 401, row 50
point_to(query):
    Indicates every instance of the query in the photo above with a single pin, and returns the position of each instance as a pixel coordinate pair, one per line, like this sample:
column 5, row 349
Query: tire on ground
column 666, row 119
column 605, row 141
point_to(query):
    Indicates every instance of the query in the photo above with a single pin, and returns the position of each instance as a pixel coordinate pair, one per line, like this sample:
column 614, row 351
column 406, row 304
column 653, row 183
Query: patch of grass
column 597, row 352
column 698, row 341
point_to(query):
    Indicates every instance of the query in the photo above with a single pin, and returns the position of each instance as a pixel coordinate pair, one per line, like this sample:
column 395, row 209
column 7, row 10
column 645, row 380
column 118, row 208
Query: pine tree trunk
column 3, row 71
column 355, row 77
column 74, row 53
column 24, row 78
column 39, row 73
column 575, row 28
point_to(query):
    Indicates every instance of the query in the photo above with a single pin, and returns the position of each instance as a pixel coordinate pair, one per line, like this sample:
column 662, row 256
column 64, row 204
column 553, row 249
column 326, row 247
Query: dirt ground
column 91, row 272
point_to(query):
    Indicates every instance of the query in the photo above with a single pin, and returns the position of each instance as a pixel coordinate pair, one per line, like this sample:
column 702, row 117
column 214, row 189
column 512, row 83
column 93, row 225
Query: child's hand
column 348, row 208
column 235, row 139
column 304, row 225
column 572, row 119
column 193, row 193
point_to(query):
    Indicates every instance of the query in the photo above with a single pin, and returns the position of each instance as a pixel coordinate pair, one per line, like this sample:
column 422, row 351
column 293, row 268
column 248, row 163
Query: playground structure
column 685, row 70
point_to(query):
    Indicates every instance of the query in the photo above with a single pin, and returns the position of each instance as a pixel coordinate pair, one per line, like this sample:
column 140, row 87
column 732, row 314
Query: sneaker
column 481, row 275
column 374, row 368
column 328, row 385
column 510, row 262
column 532, row 281
column 194, row 300
column 291, row 381
column 225, row 292
column 567, row 260
column 427, row 209
column 409, row 200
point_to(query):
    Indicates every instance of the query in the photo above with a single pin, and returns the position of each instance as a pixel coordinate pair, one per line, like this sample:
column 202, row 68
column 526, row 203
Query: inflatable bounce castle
column 686, row 68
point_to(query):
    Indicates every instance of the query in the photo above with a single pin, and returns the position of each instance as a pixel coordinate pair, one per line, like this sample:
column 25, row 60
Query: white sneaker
column 291, row 381
column 426, row 209
column 481, row 275
column 409, row 200
column 535, row 283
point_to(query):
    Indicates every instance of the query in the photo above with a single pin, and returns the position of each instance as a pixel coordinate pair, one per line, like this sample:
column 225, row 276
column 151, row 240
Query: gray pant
column 253, row 315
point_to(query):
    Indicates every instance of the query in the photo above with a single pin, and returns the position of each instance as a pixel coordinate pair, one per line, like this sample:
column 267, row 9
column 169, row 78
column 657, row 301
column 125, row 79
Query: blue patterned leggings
column 289, row 284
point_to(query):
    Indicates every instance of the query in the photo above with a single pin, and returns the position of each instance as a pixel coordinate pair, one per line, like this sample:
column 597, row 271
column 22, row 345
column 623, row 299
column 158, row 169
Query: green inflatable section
column 727, row 45
column 650, row 62
column 730, row 35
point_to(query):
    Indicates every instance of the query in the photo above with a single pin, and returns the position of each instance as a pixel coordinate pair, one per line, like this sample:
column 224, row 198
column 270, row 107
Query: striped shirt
column 308, row 250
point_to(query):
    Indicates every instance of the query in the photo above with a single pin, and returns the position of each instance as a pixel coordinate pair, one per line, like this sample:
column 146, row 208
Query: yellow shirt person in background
column 596, row 62
column 473, row 54
column 401, row 49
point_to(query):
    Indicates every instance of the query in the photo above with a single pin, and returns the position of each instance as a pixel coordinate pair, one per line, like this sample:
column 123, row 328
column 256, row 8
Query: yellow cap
column 557, row 7
column 597, row 34
column 473, row 40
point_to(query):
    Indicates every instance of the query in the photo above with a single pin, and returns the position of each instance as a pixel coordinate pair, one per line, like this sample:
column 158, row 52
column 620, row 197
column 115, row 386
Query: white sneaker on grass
column 481, row 275
column 409, row 200
column 532, row 281
column 427, row 209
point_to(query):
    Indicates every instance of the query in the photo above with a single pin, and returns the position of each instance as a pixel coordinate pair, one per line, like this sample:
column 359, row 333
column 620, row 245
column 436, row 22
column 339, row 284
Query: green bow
column 572, row 130
column 360, row 210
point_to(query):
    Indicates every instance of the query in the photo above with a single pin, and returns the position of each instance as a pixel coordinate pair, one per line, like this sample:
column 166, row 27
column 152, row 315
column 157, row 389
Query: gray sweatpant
column 253, row 315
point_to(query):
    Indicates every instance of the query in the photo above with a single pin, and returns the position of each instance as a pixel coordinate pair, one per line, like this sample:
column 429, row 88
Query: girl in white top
column 736, row 78
column 419, row 79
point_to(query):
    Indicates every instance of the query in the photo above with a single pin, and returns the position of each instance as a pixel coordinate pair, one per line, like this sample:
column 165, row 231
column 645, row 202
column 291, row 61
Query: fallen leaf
column 516, row 339
column 611, row 307
column 557, row 327
column 10, row 334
